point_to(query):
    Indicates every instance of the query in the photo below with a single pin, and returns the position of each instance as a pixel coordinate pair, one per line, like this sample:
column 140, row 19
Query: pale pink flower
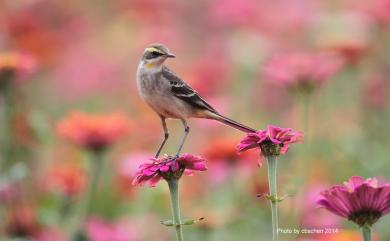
column 306, row 70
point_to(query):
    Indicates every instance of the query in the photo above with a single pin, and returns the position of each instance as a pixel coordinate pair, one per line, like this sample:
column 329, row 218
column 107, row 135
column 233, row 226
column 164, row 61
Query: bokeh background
column 252, row 60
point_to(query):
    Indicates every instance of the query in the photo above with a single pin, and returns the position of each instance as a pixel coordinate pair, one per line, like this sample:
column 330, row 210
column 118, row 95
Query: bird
column 171, row 97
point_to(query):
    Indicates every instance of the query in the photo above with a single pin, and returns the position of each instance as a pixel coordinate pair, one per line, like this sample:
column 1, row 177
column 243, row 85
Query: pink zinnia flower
column 361, row 201
column 168, row 168
column 272, row 142
column 303, row 70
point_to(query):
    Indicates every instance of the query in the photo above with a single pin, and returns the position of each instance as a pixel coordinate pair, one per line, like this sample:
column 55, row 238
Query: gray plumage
column 169, row 96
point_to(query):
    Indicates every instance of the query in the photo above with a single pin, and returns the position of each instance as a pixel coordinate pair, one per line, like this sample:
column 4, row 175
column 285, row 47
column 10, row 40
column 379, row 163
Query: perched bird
column 170, row 97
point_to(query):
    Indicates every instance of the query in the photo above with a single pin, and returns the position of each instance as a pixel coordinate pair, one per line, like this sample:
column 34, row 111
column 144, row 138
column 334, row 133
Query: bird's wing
column 184, row 92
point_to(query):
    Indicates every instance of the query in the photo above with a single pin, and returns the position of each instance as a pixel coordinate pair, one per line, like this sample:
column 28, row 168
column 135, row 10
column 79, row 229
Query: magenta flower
column 361, row 201
column 271, row 142
column 168, row 168
column 305, row 70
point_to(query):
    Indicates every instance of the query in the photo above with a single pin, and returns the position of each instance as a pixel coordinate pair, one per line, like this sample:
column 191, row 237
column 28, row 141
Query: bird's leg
column 186, row 132
column 166, row 135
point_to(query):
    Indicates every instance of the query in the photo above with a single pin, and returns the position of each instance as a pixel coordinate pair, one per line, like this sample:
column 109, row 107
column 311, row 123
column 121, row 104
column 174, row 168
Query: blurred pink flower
column 271, row 142
column 286, row 16
column 223, row 159
column 302, row 70
column 347, row 33
column 85, row 69
column 232, row 12
column 375, row 92
column 314, row 217
column 127, row 168
column 222, row 150
column 93, row 132
column 381, row 11
column 207, row 74
column 168, row 168
column 361, row 201
column 101, row 230
column 21, row 221
column 9, row 192
column 48, row 234
column 139, row 10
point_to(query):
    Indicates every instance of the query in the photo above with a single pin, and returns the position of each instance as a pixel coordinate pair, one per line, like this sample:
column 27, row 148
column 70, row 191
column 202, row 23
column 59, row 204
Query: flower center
column 365, row 217
column 268, row 148
column 172, row 175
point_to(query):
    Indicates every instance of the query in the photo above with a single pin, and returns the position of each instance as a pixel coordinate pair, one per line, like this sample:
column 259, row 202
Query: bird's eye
column 155, row 54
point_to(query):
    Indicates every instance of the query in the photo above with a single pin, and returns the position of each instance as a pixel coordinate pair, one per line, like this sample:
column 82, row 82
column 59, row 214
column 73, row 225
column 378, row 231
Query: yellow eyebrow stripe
column 152, row 49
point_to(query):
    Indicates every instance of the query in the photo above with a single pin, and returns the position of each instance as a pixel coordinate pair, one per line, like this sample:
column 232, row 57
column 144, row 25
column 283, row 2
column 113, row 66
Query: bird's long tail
column 230, row 122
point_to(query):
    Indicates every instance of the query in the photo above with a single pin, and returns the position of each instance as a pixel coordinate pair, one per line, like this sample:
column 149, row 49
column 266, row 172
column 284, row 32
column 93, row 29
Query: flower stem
column 7, row 124
column 274, row 196
column 174, row 190
column 366, row 231
column 95, row 165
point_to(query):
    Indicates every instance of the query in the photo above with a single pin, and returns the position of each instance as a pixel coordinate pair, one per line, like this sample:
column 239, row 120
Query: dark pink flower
column 361, row 201
column 304, row 70
column 272, row 142
column 168, row 168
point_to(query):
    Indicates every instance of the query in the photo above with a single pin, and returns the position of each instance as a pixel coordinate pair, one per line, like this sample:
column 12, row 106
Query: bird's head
column 155, row 55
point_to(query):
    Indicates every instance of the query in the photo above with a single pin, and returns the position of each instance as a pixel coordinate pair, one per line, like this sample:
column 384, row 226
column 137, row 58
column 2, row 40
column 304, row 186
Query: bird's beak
column 170, row 55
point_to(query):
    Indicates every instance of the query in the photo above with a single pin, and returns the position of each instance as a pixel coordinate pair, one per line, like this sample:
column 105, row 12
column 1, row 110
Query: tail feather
column 234, row 124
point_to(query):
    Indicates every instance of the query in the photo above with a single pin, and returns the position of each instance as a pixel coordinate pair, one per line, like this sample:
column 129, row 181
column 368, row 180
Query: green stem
column 95, row 164
column 174, row 190
column 96, row 169
column 7, row 124
column 366, row 231
column 274, row 196
column 305, row 114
